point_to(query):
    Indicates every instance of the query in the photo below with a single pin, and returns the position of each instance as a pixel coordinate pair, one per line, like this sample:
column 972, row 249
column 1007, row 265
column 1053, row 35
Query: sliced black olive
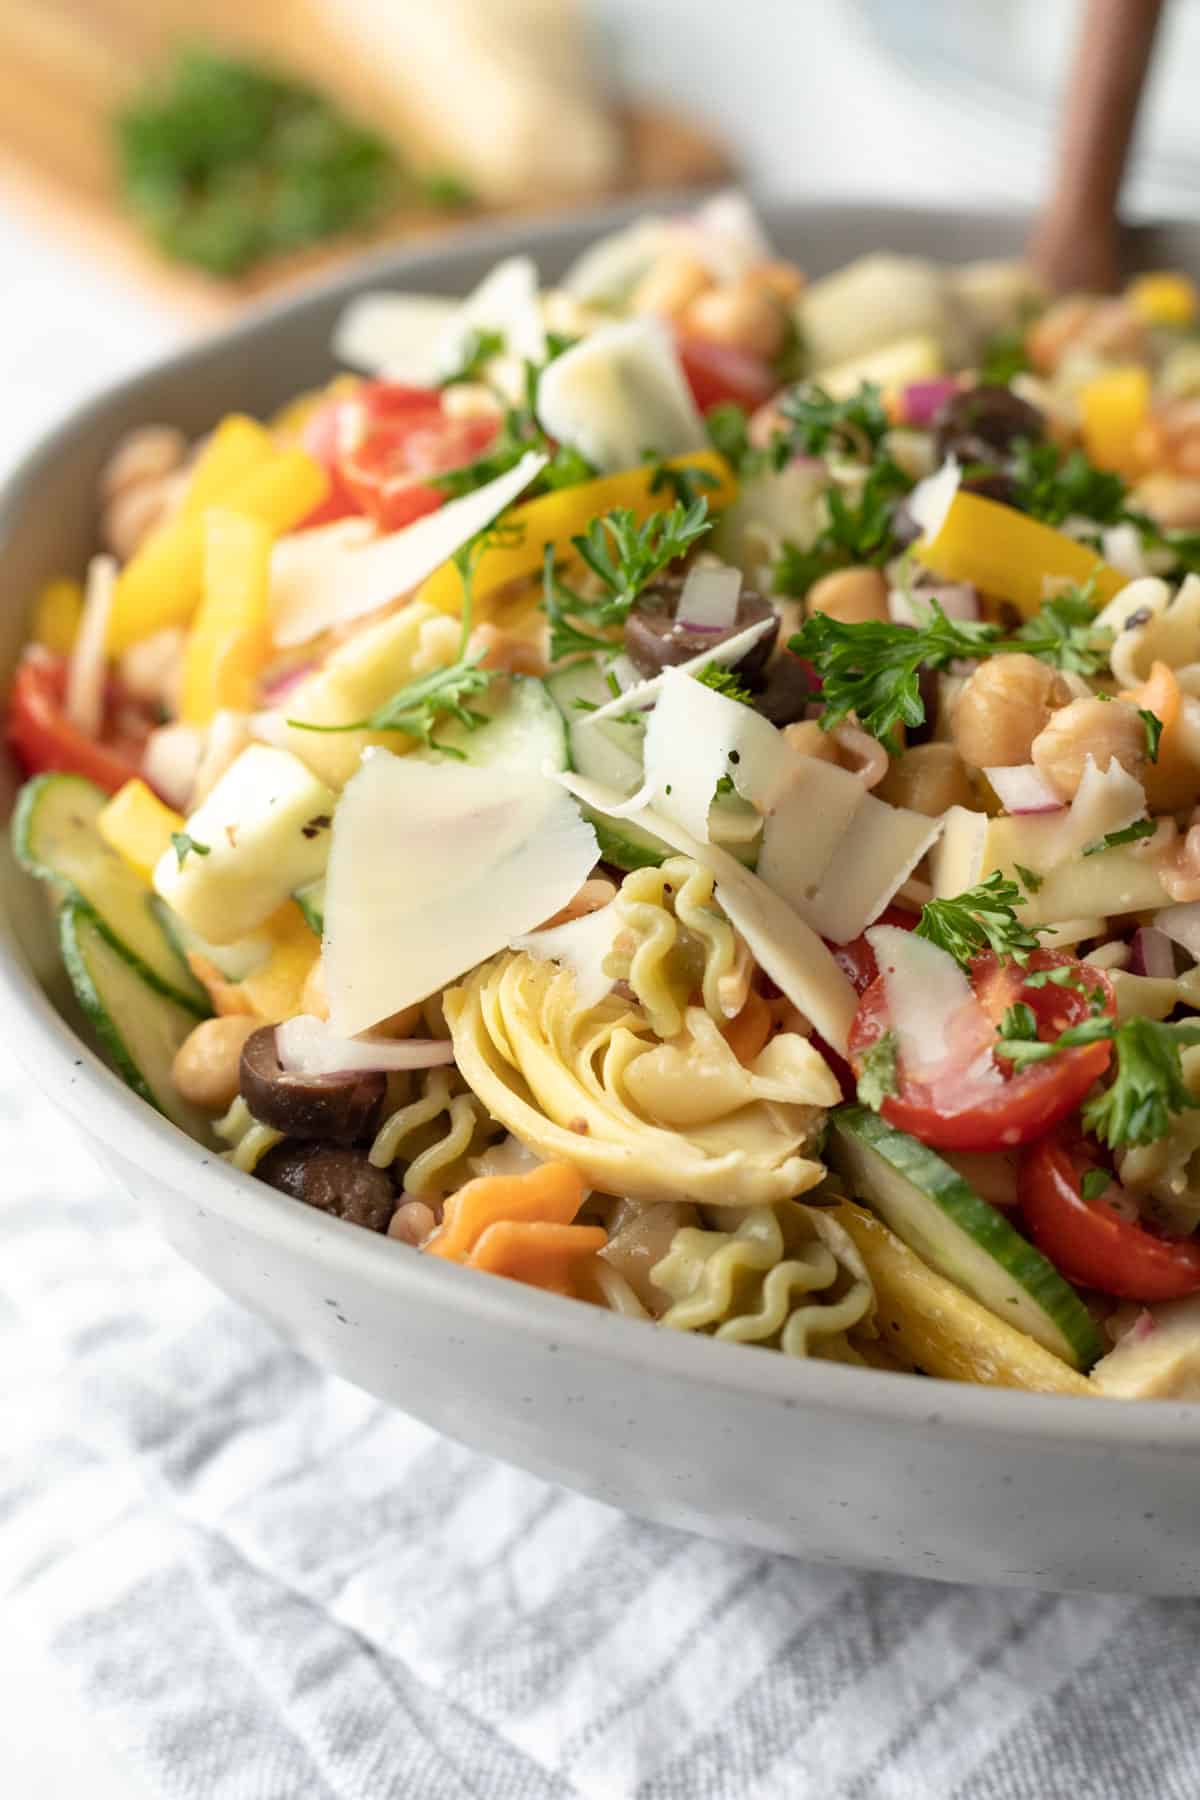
column 991, row 484
column 789, row 686
column 983, row 423
column 655, row 641
column 338, row 1108
column 334, row 1180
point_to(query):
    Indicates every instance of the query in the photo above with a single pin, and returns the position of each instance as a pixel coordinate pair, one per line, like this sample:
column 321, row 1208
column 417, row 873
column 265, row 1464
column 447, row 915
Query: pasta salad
column 680, row 789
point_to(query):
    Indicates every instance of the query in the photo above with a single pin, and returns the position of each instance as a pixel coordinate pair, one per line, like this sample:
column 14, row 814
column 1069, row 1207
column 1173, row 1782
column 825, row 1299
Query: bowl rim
column 73, row 1076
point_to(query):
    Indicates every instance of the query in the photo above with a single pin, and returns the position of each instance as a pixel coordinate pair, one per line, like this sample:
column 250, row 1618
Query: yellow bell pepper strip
column 1164, row 299
column 1113, row 407
column 275, row 991
column 237, row 447
column 138, row 826
column 230, row 636
column 1005, row 553
column 556, row 518
column 57, row 614
column 162, row 584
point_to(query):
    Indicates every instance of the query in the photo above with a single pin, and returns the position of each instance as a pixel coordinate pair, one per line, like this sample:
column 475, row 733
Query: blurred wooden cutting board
column 67, row 65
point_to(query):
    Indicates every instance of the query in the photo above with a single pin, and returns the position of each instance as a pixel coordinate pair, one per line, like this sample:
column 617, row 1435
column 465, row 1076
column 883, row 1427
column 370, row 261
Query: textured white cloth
column 266, row 1587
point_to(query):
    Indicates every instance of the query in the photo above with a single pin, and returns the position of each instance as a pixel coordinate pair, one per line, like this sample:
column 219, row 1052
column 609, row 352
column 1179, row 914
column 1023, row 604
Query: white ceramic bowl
column 833, row 1464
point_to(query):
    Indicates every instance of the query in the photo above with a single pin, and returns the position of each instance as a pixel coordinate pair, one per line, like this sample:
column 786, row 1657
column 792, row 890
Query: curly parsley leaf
column 815, row 423
column 981, row 919
column 185, row 845
column 1064, row 633
column 1141, row 828
column 878, row 1076
column 872, row 669
column 1148, row 1088
column 860, row 530
column 1002, row 357
column 1054, row 486
column 1030, row 880
column 725, row 681
column 478, row 349
column 624, row 557
column 1095, row 1184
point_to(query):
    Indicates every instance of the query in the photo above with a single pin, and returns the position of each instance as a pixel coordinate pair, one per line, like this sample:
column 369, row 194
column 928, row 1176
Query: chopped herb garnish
column 1148, row 1089
column 981, row 919
column 1064, row 633
column 878, row 1076
column 1095, row 1184
column 728, row 428
column 1055, row 486
column 725, row 681
column 185, row 845
column 1019, row 1021
column 816, row 423
column 859, row 531
column 625, row 557
column 478, row 349
column 1141, row 828
column 1154, row 730
column 1002, row 357
column 683, row 481
column 1030, row 880
column 228, row 161
column 420, row 706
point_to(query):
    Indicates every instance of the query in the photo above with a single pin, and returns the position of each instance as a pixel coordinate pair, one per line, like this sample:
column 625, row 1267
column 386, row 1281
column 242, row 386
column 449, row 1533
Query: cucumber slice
column 933, row 1210
column 311, row 901
column 525, row 730
column 234, row 961
column 138, row 1027
column 610, row 752
column 55, row 838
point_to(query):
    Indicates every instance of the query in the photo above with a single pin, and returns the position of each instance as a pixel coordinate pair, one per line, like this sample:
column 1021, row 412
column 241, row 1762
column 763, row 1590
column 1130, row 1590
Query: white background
column 813, row 107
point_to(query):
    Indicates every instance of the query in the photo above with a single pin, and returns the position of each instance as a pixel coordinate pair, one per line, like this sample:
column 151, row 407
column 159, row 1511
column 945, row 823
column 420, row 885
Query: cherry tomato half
column 1089, row 1241
column 43, row 738
column 954, row 1113
column 379, row 443
column 715, row 373
column 856, row 959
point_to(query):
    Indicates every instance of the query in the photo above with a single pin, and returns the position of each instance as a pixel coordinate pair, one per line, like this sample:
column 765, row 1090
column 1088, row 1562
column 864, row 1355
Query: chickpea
column 1002, row 708
column 412, row 1222
column 132, row 515
column 807, row 738
column 1053, row 334
column 741, row 316
column 1173, row 501
column 145, row 454
column 205, row 1069
column 1102, row 729
column 851, row 595
column 670, row 285
column 781, row 279
column 928, row 779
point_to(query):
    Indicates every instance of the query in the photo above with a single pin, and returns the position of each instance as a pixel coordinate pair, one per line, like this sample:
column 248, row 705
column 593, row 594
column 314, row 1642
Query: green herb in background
column 228, row 161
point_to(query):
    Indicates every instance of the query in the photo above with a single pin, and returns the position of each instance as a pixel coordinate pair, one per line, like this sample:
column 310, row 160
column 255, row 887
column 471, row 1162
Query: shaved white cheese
column 931, row 1006
column 709, row 599
column 931, row 499
column 396, row 336
column 727, row 235
column 505, row 302
column 345, row 574
column 882, row 846
column 694, row 738
column 957, row 860
column 618, row 393
column 608, row 270
column 804, row 827
column 307, row 1045
column 1107, row 800
column 88, row 667
column 433, row 867
column 724, row 655
column 583, row 945
column 780, row 942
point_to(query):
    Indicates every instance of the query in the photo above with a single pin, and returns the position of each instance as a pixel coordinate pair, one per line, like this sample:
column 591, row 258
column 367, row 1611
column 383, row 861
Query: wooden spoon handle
column 1076, row 244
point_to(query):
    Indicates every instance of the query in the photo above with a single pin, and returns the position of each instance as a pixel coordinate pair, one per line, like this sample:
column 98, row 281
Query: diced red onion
column 957, row 599
column 1024, row 789
column 709, row 600
column 920, row 400
column 306, row 1046
column 1182, row 925
column 1153, row 954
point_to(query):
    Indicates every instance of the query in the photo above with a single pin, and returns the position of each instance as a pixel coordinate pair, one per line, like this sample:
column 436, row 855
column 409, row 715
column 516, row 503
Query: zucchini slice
column 938, row 1215
column 524, row 730
column 55, row 838
column 137, row 1026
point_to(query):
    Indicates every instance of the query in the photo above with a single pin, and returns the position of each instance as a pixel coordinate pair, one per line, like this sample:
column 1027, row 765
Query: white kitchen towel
column 264, row 1586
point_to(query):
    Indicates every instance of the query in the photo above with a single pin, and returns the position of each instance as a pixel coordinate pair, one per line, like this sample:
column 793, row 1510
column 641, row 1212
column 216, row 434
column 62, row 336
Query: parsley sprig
column 421, row 706
column 725, row 681
column 873, row 668
column 520, row 431
column 859, row 530
column 184, row 845
column 1055, row 486
column 1148, row 1089
column 624, row 557
column 982, row 918
column 815, row 423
